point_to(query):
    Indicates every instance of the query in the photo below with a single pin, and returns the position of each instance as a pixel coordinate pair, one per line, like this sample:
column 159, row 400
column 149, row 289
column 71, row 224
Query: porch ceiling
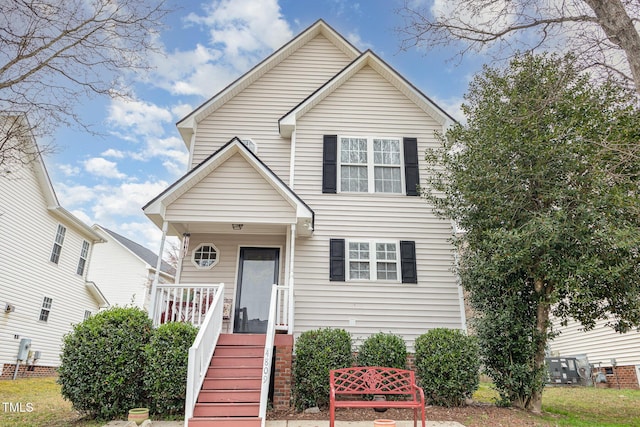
column 179, row 228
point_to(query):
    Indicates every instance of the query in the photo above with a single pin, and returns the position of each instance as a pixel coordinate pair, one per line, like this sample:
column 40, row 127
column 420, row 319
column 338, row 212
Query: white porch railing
column 278, row 319
column 202, row 349
column 183, row 303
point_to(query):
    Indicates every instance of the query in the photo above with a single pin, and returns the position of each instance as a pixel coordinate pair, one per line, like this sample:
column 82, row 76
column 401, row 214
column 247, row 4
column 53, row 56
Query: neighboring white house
column 44, row 255
column 616, row 355
column 124, row 269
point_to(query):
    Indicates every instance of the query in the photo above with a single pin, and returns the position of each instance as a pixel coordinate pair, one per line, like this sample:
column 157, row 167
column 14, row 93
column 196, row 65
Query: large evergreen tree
column 543, row 181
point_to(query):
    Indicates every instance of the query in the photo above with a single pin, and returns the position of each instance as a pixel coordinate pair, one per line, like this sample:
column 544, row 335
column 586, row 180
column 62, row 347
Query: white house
column 45, row 252
column 124, row 269
column 304, row 173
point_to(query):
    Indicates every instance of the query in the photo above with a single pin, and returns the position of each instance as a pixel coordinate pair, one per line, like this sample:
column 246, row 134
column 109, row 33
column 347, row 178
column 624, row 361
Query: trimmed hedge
column 383, row 349
column 317, row 352
column 103, row 360
column 165, row 379
column 448, row 366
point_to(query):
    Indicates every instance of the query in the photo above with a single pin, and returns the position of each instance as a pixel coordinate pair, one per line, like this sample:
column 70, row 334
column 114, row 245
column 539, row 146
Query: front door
column 258, row 270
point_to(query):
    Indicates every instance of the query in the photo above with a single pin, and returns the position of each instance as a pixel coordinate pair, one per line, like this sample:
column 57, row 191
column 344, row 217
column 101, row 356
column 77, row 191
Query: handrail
column 201, row 351
column 268, row 348
column 182, row 303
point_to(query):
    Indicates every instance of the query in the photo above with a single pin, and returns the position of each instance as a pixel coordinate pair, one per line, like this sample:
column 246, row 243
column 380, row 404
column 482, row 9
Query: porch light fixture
column 237, row 226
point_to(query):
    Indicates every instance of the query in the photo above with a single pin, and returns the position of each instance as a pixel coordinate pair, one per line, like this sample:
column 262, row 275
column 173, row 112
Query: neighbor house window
column 372, row 165
column 84, row 254
column 372, row 260
column 46, row 309
column 205, row 256
column 87, row 314
column 57, row 244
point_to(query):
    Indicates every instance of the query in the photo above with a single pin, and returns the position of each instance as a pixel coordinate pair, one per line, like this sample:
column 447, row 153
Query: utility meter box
column 23, row 350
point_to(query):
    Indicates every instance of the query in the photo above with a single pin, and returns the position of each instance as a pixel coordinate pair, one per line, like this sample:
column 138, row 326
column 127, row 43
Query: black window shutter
column 330, row 164
column 336, row 260
column 411, row 170
column 408, row 261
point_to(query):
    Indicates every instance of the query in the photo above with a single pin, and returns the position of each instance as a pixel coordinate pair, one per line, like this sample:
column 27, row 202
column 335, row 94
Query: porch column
column 156, row 278
column 292, row 251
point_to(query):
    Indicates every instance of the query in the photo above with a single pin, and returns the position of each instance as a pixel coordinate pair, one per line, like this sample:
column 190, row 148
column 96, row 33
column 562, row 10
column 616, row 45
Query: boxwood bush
column 103, row 361
column 317, row 352
column 165, row 378
column 383, row 349
column 448, row 365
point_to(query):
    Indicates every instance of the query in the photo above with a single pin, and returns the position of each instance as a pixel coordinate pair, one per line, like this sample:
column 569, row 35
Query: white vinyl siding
column 233, row 193
column 600, row 344
column 255, row 112
column 368, row 104
column 27, row 232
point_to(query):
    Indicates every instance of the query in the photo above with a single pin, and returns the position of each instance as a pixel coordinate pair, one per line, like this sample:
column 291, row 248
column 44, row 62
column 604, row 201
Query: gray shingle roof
column 143, row 253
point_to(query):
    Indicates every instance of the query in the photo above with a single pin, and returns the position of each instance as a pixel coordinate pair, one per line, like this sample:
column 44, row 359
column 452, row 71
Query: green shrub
column 165, row 379
column 103, row 362
column 383, row 349
column 317, row 352
column 447, row 365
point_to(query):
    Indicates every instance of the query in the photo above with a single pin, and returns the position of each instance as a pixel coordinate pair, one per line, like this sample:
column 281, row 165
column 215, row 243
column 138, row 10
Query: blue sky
column 208, row 44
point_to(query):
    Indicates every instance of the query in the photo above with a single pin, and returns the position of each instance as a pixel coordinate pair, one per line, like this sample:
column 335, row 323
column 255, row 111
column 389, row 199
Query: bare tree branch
column 600, row 33
column 54, row 52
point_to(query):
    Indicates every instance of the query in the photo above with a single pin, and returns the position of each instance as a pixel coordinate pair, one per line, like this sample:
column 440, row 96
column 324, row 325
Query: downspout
column 292, row 169
column 292, row 249
column 456, row 258
column 156, row 278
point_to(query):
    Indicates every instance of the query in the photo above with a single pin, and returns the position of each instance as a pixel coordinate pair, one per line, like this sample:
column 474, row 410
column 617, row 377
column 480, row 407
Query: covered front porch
column 237, row 223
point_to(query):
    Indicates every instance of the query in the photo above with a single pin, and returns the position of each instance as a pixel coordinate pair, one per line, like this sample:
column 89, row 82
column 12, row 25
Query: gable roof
column 146, row 255
column 187, row 125
column 287, row 123
column 155, row 208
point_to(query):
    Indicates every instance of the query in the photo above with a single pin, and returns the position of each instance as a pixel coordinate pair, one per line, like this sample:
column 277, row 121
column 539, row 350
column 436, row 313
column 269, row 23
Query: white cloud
column 126, row 199
column 453, row 106
column 72, row 195
column 69, row 170
column 103, row 167
column 111, row 152
column 181, row 110
column 139, row 117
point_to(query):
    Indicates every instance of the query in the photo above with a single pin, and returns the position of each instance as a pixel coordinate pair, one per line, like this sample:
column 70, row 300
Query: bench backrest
column 372, row 380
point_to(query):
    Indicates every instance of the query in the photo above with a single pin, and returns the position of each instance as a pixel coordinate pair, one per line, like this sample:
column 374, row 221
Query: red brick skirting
column 27, row 371
column 283, row 371
column 621, row 377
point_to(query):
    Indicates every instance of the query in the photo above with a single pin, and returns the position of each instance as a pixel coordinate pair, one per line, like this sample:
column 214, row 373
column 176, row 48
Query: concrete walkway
column 305, row 423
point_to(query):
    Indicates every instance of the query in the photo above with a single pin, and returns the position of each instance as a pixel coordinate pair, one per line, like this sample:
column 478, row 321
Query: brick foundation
column 621, row 377
column 27, row 371
column 283, row 371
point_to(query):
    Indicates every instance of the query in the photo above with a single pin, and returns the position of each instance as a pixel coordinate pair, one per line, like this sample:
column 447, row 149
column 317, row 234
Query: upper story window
column 372, row 165
column 46, row 309
column 371, row 260
column 84, row 254
column 87, row 314
column 205, row 256
column 57, row 244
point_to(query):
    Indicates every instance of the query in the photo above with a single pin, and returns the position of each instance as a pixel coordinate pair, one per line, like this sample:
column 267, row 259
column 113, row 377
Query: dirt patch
column 475, row 415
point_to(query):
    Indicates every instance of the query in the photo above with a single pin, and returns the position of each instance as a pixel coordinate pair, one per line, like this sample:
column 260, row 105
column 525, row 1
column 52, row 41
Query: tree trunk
column 542, row 324
column 619, row 28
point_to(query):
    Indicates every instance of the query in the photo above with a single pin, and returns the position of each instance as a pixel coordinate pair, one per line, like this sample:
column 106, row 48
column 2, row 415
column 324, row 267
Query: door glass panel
column 258, row 271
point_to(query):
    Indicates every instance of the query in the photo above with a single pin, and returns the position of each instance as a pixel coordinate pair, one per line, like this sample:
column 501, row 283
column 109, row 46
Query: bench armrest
column 419, row 392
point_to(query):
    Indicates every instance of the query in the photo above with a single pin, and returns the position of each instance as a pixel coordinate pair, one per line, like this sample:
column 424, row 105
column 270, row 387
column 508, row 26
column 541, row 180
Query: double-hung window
column 84, row 254
column 372, row 260
column 57, row 244
column 370, row 165
column 46, row 309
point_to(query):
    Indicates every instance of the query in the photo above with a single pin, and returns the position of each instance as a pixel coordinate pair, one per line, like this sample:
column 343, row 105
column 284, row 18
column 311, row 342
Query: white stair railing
column 278, row 293
column 182, row 303
column 202, row 350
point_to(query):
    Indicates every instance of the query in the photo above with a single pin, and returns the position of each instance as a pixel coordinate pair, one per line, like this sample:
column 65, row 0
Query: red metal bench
column 367, row 380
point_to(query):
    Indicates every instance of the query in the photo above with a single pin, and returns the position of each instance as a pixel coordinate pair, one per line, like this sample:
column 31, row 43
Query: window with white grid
column 84, row 254
column 46, row 309
column 370, row 165
column 371, row 260
column 57, row 244
column 205, row 256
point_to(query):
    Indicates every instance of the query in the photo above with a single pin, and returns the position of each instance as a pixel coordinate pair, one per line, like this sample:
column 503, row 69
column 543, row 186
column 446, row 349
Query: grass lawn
column 582, row 406
column 37, row 403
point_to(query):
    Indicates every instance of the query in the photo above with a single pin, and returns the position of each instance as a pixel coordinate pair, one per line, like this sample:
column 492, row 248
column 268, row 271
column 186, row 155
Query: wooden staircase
column 230, row 395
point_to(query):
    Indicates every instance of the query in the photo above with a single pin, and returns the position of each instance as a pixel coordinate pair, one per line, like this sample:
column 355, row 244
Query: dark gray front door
column 258, row 270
